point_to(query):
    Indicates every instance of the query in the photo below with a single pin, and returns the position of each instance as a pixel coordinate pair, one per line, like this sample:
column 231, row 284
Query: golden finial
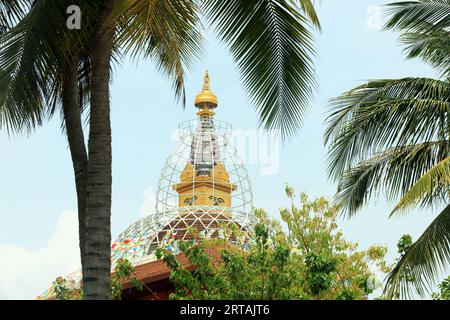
column 206, row 99
column 206, row 82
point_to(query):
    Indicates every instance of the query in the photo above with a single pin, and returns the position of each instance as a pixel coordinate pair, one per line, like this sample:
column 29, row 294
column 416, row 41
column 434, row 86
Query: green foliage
column 123, row 271
column 64, row 289
column 302, row 257
column 422, row 15
column 444, row 288
column 432, row 46
column 319, row 272
column 404, row 244
column 424, row 259
column 231, row 274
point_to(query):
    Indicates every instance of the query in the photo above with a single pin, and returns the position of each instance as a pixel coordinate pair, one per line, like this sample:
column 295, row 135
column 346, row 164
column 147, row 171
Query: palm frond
column 307, row 6
column 419, row 15
column 272, row 44
column 385, row 114
column 432, row 47
column 393, row 172
column 11, row 11
column 420, row 267
column 20, row 101
column 32, row 62
column 433, row 185
column 167, row 31
column 393, row 136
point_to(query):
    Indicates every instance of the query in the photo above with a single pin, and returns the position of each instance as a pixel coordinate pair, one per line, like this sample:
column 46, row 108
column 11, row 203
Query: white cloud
column 148, row 207
column 25, row 274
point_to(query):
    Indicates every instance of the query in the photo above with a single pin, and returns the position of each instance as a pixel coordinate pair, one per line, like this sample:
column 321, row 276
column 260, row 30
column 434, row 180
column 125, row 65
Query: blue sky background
column 36, row 179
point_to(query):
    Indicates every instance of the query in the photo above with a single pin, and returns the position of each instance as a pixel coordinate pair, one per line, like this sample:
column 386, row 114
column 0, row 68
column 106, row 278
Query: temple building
column 203, row 189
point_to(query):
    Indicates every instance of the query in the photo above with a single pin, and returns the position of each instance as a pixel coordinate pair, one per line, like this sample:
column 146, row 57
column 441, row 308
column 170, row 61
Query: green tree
column 404, row 244
column 303, row 257
column 393, row 136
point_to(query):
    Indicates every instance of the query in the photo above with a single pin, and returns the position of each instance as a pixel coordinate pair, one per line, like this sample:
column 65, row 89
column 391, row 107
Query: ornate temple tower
column 204, row 180
column 203, row 187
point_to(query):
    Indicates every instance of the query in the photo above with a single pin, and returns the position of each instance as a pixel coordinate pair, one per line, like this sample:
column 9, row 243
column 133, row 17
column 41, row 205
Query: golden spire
column 206, row 99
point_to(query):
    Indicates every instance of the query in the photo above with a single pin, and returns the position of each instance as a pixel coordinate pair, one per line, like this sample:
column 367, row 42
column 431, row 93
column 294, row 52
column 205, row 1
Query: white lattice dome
column 203, row 189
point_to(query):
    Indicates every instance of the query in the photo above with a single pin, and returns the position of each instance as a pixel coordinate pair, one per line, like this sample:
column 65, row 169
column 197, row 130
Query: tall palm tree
column 271, row 43
column 393, row 136
column 43, row 65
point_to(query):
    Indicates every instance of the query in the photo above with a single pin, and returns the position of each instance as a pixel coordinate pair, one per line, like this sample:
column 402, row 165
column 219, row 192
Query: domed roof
column 165, row 230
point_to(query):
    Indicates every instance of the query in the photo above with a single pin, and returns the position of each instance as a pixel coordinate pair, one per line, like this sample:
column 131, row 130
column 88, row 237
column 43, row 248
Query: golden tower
column 204, row 188
column 204, row 180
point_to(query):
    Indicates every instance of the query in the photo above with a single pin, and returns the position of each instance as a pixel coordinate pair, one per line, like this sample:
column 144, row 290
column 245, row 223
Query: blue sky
column 36, row 184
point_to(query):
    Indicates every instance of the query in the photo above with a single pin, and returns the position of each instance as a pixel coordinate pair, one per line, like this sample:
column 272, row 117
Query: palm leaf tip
column 273, row 47
column 434, row 184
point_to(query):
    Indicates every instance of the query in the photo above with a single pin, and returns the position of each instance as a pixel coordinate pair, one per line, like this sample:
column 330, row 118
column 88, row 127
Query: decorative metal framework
column 241, row 198
column 171, row 222
column 204, row 188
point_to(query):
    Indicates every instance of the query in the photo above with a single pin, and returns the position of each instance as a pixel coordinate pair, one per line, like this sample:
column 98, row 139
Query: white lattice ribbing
column 203, row 145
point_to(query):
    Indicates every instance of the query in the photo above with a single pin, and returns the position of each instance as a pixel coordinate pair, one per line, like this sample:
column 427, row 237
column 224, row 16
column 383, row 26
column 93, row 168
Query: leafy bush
column 304, row 256
column 444, row 288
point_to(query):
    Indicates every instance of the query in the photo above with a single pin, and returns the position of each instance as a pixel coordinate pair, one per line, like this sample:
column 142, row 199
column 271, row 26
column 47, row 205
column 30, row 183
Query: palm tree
column 393, row 136
column 39, row 72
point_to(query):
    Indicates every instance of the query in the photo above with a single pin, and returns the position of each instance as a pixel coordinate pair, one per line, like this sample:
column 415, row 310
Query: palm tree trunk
column 75, row 137
column 97, row 269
